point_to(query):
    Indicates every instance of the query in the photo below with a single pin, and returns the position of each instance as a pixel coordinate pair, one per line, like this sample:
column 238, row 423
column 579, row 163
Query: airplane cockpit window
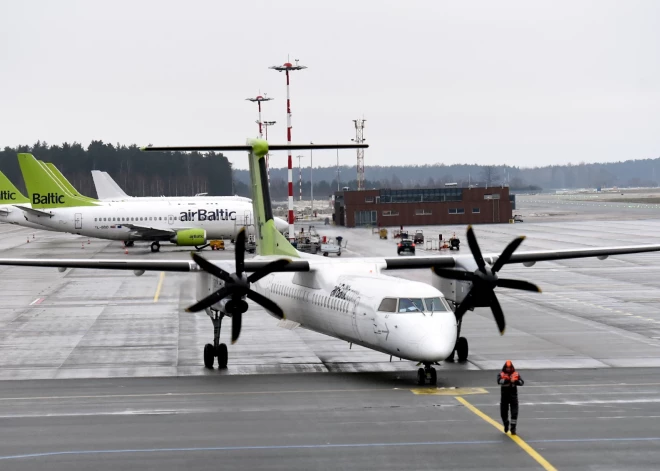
column 411, row 305
column 388, row 305
column 435, row 305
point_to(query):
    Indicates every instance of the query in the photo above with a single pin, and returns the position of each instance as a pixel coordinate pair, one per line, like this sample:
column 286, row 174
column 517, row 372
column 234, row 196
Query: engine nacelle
column 188, row 237
column 455, row 290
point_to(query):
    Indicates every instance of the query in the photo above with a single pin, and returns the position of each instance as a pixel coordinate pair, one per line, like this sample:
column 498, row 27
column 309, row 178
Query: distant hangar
column 423, row 206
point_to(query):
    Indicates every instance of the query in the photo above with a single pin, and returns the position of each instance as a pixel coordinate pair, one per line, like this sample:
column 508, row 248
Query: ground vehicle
column 419, row 236
column 454, row 243
column 250, row 244
column 406, row 245
column 517, row 218
column 217, row 244
column 331, row 248
column 382, row 233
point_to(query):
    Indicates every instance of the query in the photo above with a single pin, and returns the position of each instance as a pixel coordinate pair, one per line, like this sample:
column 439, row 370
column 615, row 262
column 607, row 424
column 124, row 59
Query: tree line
column 138, row 173
column 185, row 174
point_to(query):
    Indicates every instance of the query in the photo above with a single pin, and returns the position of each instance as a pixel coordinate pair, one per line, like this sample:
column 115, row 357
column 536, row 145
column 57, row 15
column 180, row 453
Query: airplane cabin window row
column 127, row 219
column 317, row 299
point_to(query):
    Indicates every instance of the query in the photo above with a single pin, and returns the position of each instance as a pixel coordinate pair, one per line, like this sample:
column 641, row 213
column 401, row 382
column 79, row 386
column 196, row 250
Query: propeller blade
column 236, row 321
column 497, row 313
column 474, row 248
column 211, row 268
column 518, row 284
column 464, row 306
column 210, row 300
column 454, row 274
column 506, row 253
column 268, row 269
column 240, row 252
column 265, row 303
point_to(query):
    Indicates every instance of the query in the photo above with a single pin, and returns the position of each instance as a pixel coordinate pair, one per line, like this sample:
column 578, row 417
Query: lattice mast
column 288, row 67
column 359, row 139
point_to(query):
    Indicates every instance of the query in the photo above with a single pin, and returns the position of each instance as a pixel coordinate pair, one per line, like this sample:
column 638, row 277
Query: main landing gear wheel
column 155, row 246
column 462, row 349
column 209, row 356
column 223, row 355
column 421, row 377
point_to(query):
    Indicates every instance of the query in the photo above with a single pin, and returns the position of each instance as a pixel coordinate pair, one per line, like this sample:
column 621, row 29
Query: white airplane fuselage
column 10, row 214
column 110, row 220
column 341, row 298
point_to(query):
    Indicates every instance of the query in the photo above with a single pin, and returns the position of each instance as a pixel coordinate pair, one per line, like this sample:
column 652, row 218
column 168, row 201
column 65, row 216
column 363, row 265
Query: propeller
column 484, row 280
column 237, row 286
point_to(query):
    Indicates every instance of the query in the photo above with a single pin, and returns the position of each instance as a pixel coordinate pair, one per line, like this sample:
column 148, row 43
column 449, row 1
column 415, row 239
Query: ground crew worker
column 509, row 379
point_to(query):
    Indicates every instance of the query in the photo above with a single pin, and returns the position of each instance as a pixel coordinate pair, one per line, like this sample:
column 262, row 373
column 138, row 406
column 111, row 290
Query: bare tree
column 490, row 175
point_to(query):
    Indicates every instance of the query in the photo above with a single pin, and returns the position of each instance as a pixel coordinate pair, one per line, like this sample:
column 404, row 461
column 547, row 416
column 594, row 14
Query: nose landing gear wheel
column 462, row 349
column 421, row 377
column 155, row 246
column 209, row 356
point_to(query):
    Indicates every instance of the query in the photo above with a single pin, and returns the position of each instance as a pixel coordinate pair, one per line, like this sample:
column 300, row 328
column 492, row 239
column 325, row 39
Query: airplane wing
column 449, row 261
column 150, row 232
column 147, row 265
column 33, row 211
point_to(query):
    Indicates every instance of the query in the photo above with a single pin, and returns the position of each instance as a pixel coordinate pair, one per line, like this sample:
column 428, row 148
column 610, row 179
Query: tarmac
column 104, row 370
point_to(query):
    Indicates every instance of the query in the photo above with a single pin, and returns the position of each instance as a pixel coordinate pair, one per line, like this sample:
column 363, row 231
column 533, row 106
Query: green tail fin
column 43, row 189
column 63, row 181
column 9, row 194
column 269, row 240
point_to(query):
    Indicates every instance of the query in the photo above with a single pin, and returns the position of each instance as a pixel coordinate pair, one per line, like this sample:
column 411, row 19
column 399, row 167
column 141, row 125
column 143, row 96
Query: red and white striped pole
column 287, row 67
column 258, row 101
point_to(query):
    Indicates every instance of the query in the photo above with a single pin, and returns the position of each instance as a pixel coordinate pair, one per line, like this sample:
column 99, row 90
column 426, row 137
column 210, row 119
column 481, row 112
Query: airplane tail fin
column 106, row 187
column 9, row 194
column 63, row 181
column 269, row 240
column 43, row 189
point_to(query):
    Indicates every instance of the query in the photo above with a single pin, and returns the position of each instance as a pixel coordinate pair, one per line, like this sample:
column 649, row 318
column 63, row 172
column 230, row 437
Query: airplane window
column 411, row 305
column 435, row 305
column 105, row 219
column 94, row 219
column 388, row 305
column 150, row 218
column 132, row 219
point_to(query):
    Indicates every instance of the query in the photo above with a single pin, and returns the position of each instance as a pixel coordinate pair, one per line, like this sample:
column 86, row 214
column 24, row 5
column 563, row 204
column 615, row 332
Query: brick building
column 422, row 206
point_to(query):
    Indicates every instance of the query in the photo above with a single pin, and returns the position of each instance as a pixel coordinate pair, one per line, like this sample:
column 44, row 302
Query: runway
column 104, row 370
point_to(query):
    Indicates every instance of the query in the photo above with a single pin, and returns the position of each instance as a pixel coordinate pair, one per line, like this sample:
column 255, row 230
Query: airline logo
column 48, row 198
column 7, row 195
column 208, row 215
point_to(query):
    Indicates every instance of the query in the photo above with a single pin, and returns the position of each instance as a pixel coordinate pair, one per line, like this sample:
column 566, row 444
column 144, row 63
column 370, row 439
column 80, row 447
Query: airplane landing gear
column 155, row 246
column 218, row 349
column 462, row 349
column 428, row 372
column 129, row 243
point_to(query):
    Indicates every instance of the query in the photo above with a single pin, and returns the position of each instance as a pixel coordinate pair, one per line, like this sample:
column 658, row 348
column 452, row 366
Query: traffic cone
column 28, row 240
column 126, row 250
column 82, row 246
column 88, row 242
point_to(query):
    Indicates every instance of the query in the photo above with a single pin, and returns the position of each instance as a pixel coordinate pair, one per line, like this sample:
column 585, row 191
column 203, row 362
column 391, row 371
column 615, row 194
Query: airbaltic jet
column 350, row 299
column 11, row 196
column 108, row 190
column 190, row 223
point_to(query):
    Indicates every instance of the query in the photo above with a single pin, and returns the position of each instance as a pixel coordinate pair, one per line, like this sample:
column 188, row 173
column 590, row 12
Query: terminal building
column 423, row 206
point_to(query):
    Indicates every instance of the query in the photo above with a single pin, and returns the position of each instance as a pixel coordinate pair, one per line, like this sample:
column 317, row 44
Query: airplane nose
column 281, row 224
column 439, row 339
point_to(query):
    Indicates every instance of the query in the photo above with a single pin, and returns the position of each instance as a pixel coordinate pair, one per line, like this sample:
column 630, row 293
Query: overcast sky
column 491, row 82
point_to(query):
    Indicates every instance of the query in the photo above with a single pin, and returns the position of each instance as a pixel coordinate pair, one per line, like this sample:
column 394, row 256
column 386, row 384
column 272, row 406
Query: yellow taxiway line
column 159, row 287
column 518, row 441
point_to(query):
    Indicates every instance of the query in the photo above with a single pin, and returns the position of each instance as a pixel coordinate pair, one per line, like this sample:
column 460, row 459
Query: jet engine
column 189, row 237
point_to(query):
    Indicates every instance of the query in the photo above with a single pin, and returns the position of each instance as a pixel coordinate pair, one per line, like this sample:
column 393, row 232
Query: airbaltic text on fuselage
column 7, row 195
column 208, row 215
column 48, row 198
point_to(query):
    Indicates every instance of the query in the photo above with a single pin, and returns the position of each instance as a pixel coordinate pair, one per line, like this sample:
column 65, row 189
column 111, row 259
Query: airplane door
column 170, row 219
column 78, row 221
column 356, row 329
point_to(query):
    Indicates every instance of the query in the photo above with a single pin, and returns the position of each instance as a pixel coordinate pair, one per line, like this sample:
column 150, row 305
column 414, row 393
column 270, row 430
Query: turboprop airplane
column 185, row 224
column 107, row 189
column 354, row 300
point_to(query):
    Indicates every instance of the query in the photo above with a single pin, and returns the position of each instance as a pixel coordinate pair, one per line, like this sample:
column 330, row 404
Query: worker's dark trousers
column 504, row 411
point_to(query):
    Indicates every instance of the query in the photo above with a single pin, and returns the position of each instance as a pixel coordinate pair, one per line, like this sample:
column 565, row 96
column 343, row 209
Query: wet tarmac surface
column 112, row 375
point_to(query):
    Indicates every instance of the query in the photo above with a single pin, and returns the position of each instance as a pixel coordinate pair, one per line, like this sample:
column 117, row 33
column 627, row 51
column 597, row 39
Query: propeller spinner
column 484, row 280
column 237, row 286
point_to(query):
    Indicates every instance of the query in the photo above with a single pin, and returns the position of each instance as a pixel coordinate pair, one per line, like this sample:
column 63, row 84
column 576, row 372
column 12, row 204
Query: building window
column 456, row 211
column 365, row 218
column 423, row 212
column 369, row 199
column 390, row 213
column 476, row 210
